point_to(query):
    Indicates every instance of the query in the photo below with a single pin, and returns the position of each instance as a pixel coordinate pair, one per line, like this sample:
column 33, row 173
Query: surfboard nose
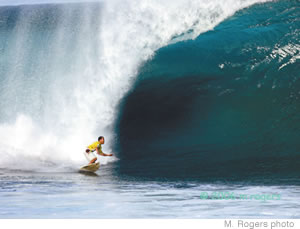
column 91, row 168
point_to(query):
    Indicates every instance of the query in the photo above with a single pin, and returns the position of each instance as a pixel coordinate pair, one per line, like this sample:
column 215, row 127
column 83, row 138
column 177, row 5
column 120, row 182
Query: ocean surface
column 199, row 102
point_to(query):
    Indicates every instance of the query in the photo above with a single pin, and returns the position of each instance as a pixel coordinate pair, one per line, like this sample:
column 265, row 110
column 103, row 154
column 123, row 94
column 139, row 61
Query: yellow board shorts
column 89, row 155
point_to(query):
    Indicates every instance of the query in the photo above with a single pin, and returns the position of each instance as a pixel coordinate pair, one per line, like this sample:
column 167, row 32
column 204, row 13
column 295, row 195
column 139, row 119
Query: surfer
column 96, row 146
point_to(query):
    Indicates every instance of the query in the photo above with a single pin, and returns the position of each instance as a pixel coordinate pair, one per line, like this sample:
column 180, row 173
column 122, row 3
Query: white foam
column 81, row 103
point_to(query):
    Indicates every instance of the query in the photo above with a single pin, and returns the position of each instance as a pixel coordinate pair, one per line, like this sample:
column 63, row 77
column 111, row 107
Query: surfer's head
column 101, row 139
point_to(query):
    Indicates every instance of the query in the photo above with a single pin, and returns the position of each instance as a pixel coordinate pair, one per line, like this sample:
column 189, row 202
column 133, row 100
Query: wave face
column 64, row 69
column 225, row 104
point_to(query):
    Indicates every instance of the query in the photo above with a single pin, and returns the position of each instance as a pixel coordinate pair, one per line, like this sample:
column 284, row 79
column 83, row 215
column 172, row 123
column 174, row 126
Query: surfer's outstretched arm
column 99, row 151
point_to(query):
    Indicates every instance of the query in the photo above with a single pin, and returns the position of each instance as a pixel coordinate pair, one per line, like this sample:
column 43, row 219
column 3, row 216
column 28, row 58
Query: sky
column 25, row 2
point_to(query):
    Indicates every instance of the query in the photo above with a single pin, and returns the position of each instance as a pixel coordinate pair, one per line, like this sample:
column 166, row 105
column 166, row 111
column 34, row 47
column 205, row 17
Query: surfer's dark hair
column 100, row 138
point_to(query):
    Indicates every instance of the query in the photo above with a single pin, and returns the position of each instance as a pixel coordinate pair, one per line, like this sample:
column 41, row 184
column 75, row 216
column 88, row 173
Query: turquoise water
column 223, row 105
column 198, row 103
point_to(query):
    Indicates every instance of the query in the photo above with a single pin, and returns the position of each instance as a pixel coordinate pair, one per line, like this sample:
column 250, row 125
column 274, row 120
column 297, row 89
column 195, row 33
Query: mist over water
column 194, row 97
column 65, row 67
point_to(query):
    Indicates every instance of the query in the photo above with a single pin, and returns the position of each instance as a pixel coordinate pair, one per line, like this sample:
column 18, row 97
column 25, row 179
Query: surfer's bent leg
column 90, row 156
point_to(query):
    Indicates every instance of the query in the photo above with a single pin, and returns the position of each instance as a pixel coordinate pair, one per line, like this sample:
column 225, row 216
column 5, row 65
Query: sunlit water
column 220, row 76
column 72, row 194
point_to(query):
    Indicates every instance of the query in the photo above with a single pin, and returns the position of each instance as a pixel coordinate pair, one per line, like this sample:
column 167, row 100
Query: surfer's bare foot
column 93, row 161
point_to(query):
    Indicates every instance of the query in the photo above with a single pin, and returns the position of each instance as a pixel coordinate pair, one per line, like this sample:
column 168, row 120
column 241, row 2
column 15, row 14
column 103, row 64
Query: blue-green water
column 223, row 105
column 198, row 102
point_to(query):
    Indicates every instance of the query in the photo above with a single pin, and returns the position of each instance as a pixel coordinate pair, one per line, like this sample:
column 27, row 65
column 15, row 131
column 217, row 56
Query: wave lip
column 222, row 105
column 65, row 67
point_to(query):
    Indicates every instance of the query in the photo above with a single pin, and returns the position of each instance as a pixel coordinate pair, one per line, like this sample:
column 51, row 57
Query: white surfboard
column 90, row 168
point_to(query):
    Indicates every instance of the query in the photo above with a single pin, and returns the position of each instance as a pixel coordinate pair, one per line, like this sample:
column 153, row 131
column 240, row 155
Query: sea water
column 106, row 195
column 198, row 101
